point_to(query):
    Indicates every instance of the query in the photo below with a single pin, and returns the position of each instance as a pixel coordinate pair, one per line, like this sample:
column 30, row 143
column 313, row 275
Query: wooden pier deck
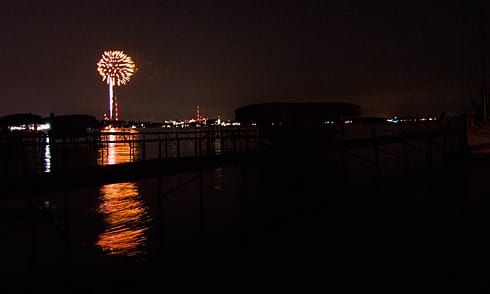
column 71, row 179
column 85, row 176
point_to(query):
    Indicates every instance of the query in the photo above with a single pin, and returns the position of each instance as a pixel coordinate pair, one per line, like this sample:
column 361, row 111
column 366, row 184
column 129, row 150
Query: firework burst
column 116, row 68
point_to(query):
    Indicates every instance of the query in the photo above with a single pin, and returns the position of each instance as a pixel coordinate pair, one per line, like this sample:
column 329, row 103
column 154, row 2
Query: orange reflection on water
column 126, row 220
column 118, row 148
column 125, row 214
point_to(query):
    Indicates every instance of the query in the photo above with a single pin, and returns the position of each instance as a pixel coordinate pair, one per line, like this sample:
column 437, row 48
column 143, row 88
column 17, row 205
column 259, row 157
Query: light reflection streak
column 124, row 212
column 126, row 220
column 47, row 156
column 218, row 172
column 117, row 152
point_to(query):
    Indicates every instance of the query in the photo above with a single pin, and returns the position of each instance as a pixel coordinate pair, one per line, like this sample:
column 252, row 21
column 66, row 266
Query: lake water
column 282, row 223
column 115, row 227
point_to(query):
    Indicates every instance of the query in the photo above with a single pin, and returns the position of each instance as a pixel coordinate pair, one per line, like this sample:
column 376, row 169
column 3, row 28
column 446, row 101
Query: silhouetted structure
column 313, row 114
column 297, row 126
column 74, row 125
column 20, row 119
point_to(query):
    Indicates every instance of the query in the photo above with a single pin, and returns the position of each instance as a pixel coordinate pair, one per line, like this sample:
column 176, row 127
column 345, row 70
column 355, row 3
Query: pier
column 163, row 153
column 265, row 194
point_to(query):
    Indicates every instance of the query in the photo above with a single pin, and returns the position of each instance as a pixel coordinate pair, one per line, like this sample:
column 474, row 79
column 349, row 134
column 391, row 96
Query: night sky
column 390, row 57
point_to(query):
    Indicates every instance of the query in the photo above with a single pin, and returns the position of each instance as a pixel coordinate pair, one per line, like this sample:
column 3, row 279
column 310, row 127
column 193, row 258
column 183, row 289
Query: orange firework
column 116, row 68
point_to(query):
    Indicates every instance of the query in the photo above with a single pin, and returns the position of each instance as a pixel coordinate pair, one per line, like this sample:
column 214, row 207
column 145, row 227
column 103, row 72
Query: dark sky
column 390, row 57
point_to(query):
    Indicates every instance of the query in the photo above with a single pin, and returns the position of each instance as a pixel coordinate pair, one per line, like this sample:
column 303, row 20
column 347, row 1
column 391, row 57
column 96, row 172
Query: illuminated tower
column 116, row 109
column 198, row 116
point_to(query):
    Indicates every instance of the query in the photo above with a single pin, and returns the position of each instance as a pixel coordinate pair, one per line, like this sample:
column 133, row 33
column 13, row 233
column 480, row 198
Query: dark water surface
column 304, row 223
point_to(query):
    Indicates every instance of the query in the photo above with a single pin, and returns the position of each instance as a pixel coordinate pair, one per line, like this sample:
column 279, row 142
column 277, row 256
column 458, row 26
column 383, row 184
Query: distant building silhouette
column 297, row 126
column 295, row 114
column 20, row 121
column 73, row 125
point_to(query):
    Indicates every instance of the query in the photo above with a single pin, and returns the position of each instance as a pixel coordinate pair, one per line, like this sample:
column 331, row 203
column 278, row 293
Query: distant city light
column 394, row 120
column 43, row 127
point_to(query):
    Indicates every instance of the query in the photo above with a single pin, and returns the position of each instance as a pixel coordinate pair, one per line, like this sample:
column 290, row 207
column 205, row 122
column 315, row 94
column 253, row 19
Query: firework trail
column 116, row 68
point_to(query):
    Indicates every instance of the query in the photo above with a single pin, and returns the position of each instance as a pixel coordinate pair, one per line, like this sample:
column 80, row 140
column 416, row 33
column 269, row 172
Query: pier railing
column 162, row 154
column 400, row 145
column 38, row 152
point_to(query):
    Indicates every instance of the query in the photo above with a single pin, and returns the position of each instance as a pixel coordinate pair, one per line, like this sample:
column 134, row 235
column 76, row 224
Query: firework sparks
column 116, row 68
